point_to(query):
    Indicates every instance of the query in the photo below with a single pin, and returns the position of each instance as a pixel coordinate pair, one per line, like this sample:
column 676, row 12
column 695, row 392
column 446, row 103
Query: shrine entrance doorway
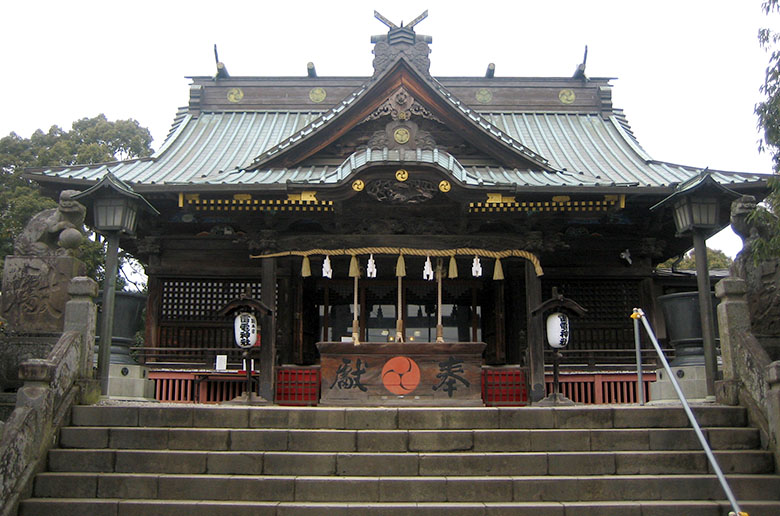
column 472, row 310
column 462, row 306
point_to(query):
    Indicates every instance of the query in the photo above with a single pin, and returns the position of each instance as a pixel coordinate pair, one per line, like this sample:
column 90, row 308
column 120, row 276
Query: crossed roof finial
column 401, row 40
column 391, row 25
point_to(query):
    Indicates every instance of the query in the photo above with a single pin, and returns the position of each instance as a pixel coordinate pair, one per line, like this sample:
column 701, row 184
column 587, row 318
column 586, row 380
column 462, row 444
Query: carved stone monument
column 36, row 277
column 749, row 319
column 762, row 277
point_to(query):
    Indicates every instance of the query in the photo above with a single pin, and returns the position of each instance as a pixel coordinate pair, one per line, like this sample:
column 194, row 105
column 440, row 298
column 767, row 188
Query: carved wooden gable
column 400, row 122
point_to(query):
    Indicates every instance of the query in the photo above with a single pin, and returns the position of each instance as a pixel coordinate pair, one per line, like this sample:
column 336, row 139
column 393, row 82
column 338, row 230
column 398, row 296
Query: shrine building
column 407, row 226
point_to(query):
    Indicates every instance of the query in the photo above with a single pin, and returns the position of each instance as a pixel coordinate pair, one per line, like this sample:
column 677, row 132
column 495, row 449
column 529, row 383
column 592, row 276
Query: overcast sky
column 687, row 71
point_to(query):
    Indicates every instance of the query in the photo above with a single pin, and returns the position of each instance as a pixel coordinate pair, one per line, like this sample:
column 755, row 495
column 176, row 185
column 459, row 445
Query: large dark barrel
column 683, row 326
column 128, row 309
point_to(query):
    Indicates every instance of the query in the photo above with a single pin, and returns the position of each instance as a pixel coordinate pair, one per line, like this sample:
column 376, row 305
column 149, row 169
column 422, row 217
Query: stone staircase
column 148, row 459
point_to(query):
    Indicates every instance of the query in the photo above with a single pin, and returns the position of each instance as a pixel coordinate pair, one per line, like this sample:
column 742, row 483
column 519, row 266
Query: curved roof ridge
column 179, row 120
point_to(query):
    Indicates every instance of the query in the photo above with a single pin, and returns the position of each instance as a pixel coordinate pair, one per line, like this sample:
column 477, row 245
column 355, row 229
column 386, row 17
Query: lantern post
column 557, row 310
column 246, row 331
column 114, row 207
column 696, row 206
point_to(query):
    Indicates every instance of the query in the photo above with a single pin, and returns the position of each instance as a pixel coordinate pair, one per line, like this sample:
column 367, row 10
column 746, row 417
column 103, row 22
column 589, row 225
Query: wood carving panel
column 414, row 191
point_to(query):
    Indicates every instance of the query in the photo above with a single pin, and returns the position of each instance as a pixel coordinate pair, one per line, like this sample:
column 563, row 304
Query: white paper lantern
column 245, row 330
column 558, row 330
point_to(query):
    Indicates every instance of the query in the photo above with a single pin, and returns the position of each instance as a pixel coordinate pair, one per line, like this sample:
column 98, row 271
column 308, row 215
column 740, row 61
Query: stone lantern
column 697, row 206
column 114, row 207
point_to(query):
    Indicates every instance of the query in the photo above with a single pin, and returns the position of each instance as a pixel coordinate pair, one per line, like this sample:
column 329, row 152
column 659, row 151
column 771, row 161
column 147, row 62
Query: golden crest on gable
column 484, row 96
column 235, row 95
column 317, row 95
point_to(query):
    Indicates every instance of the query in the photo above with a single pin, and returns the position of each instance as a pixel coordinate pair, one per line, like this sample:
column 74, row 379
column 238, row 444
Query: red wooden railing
column 197, row 387
column 501, row 386
column 600, row 388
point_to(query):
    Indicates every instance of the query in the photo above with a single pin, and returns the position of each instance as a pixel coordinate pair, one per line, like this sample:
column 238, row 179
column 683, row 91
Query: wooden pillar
column 474, row 318
column 500, row 307
column 298, row 354
column 325, row 335
column 153, row 306
column 268, row 331
column 363, row 313
column 284, row 318
column 533, row 298
column 515, row 323
column 647, row 303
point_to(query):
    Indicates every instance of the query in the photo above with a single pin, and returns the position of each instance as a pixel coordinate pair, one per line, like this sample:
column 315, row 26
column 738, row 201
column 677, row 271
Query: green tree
column 768, row 112
column 90, row 140
column 716, row 259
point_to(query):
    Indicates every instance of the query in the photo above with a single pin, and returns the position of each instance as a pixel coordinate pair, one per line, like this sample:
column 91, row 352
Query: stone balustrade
column 51, row 386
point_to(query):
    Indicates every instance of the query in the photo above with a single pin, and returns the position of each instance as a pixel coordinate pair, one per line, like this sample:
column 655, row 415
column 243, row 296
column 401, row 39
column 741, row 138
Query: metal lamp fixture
column 115, row 214
column 696, row 212
column 696, row 203
column 114, row 205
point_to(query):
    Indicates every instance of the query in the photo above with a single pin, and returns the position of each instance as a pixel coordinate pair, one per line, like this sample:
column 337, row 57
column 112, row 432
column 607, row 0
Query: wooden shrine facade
column 286, row 187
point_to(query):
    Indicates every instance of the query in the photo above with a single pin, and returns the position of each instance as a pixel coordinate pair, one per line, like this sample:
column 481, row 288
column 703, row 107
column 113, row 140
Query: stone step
column 506, row 440
column 406, row 464
column 401, row 489
column 152, row 459
column 155, row 415
column 113, row 507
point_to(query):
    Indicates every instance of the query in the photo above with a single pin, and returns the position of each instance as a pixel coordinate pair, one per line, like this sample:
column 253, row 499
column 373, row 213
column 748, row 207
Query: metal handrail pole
column 640, row 384
column 639, row 314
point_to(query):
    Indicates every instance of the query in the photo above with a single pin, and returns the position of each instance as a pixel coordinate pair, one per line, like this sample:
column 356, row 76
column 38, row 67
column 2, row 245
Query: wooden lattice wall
column 605, row 334
column 190, row 329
